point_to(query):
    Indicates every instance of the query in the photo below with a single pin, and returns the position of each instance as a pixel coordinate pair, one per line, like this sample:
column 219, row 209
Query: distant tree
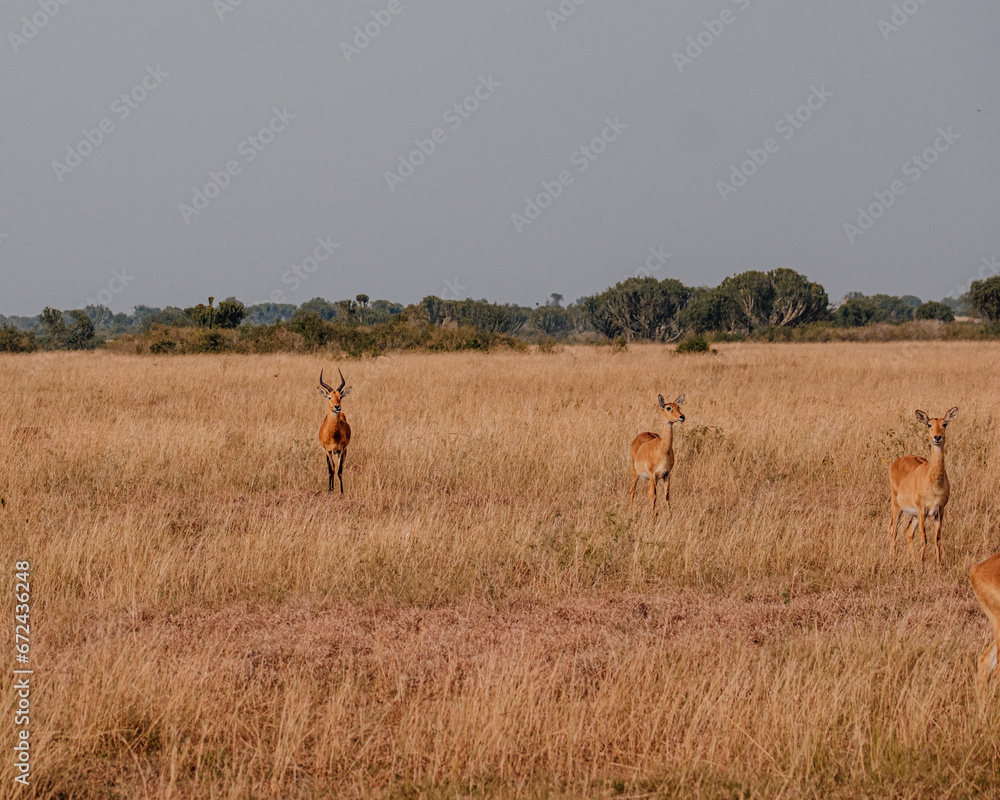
column 52, row 319
column 711, row 310
column 121, row 322
column 230, row 313
column 375, row 315
column 752, row 299
column 141, row 315
column 390, row 308
column 313, row 328
column 24, row 323
column 639, row 308
column 346, row 310
column 491, row 317
column 555, row 300
column 362, row 300
column 269, row 313
column 14, row 340
column 80, row 335
column 172, row 315
column 322, row 308
column 100, row 315
column 432, row 308
column 551, row 320
column 753, row 293
column 578, row 320
column 960, row 306
column 796, row 300
column 858, row 312
column 897, row 309
column 911, row 300
column 932, row 309
column 200, row 314
column 984, row 297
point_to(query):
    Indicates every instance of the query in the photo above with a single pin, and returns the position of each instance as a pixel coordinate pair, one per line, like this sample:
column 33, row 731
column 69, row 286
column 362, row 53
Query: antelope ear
column 680, row 399
column 322, row 391
column 346, row 392
column 951, row 415
column 662, row 401
column 922, row 417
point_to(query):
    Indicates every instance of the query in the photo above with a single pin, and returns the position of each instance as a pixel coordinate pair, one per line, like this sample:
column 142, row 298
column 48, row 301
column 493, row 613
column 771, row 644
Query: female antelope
column 334, row 433
column 653, row 455
column 985, row 578
column 920, row 487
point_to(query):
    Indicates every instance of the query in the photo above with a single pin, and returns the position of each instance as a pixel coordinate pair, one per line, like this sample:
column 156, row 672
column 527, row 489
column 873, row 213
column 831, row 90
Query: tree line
column 636, row 309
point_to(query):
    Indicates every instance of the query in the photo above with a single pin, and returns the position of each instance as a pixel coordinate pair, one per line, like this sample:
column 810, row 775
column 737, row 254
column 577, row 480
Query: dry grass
column 480, row 614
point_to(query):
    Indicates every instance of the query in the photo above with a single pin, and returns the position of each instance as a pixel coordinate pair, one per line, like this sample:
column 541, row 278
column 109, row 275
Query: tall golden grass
column 479, row 614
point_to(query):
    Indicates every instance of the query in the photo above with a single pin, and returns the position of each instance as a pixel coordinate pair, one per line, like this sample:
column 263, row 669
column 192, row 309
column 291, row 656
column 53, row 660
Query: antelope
column 334, row 433
column 985, row 578
column 653, row 455
column 920, row 487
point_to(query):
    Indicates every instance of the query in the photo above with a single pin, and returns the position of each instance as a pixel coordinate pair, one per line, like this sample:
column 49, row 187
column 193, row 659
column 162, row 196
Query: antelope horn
column 342, row 381
column 328, row 388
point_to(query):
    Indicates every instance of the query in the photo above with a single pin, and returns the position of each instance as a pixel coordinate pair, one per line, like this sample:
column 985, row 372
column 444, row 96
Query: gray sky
column 676, row 95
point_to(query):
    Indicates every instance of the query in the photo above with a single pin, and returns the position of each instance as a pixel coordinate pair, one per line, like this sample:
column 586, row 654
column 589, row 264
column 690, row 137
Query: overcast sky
column 159, row 153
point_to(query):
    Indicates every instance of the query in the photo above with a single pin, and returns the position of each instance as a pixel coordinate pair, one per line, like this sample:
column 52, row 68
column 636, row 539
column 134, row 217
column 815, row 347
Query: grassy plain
column 480, row 614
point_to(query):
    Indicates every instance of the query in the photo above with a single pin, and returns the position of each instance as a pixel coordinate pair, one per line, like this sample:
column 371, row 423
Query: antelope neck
column 668, row 432
column 936, row 462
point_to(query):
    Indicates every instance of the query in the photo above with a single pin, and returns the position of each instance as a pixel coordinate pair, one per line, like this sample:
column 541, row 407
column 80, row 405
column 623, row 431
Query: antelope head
column 937, row 425
column 331, row 394
column 672, row 411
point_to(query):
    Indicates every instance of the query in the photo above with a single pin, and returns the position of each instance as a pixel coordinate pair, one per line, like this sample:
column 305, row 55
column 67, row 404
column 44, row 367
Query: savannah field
column 480, row 614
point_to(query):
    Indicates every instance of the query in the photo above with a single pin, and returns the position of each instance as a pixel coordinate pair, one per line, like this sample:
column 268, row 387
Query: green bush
column 14, row 340
column 694, row 344
column 934, row 310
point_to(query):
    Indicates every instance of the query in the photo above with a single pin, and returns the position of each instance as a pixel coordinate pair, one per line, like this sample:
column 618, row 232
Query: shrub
column 162, row 346
column 984, row 296
column 934, row 310
column 214, row 341
column 14, row 340
column 693, row 344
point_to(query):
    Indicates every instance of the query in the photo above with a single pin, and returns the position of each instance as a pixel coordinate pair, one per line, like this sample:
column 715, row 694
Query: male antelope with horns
column 653, row 455
column 334, row 433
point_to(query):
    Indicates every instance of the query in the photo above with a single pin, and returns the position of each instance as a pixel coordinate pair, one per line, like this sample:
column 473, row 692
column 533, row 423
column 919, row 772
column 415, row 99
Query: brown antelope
column 985, row 578
column 334, row 433
column 920, row 487
column 653, row 455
